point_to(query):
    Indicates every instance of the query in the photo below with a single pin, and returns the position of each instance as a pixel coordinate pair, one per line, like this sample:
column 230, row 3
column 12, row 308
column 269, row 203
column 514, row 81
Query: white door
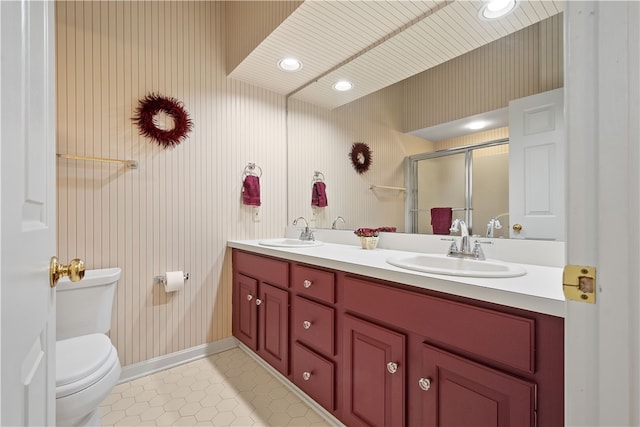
column 27, row 180
column 536, row 166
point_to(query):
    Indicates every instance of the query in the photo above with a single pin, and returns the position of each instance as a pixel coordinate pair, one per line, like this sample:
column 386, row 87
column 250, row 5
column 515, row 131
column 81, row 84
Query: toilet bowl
column 87, row 365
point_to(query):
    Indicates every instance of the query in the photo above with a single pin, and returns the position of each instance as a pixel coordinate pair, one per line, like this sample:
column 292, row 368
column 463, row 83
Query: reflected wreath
column 361, row 157
column 153, row 104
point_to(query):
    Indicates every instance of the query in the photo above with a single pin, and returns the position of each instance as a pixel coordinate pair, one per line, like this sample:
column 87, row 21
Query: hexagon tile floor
column 225, row 389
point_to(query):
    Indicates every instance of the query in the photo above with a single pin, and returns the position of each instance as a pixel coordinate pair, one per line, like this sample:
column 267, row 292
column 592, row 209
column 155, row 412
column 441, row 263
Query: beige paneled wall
column 518, row 65
column 320, row 140
column 177, row 211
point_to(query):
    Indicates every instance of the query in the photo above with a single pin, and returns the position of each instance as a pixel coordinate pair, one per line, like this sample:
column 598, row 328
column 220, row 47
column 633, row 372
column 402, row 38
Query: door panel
column 374, row 395
column 273, row 315
column 27, row 135
column 465, row 393
column 246, row 322
column 536, row 166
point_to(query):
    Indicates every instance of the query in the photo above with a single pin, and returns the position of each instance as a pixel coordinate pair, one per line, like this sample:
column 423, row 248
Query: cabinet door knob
column 425, row 383
column 307, row 283
column 306, row 324
column 517, row 228
column 258, row 301
column 392, row 367
column 306, row 375
column 249, row 297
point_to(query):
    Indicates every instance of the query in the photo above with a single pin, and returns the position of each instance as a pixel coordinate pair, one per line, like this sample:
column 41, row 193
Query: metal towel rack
column 317, row 177
column 131, row 164
column 250, row 169
column 385, row 187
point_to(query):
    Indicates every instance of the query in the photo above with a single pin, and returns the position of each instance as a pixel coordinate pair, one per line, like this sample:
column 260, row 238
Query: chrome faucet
column 494, row 224
column 465, row 250
column 333, row 224
column 306, row 233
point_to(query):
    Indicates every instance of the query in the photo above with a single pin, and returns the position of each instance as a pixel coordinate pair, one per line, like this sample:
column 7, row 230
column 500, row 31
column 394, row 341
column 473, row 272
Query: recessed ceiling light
column 343, row 85
column 289, row 64
column 478, row 124
column 494, row 9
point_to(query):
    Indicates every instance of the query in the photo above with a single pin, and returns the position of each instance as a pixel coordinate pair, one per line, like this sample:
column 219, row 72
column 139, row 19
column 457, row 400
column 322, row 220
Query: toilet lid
column 80, row 357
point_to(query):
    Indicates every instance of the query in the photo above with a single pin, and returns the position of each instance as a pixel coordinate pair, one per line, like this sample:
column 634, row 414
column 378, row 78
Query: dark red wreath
column 153, row 104
column 360, row 157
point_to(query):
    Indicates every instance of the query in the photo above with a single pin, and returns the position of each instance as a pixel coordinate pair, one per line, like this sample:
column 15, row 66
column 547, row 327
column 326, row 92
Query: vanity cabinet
column 261, row 307
column 379, row 353
column 313, row 329
column 459, row 392
column 375, row 371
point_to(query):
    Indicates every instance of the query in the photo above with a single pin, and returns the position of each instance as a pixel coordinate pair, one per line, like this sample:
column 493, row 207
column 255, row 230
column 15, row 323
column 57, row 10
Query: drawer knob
column 249, row 297
column 306, row 324
column 258, row 301
column 425, row 383
column 307, row 283
column 306, row 376
column 392, row 367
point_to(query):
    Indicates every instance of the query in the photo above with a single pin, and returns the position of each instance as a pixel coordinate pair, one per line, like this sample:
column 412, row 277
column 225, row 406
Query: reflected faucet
column 306, row 233
column 465, row 250
column 333, row 224
column 494, row 224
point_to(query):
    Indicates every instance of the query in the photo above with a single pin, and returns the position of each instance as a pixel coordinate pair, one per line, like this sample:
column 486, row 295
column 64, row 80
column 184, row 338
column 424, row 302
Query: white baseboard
column 148, row 367
column 328, row 416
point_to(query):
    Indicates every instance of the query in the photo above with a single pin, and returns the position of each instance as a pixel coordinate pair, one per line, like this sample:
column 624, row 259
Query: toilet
column 87, row 365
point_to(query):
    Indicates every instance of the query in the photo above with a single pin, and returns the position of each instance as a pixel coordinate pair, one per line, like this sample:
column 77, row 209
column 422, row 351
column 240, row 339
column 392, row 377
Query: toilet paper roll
column 173, row 281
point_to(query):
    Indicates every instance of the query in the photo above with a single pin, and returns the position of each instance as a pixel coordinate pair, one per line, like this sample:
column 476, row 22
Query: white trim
column 150, row 366
column 603, row 187
column 328, row 417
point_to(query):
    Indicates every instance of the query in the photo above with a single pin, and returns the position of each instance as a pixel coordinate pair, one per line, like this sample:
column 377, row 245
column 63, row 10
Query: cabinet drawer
column 268, row 270
column 502, row 337
column 314, row 375
column 313, row 283
column 313, row 324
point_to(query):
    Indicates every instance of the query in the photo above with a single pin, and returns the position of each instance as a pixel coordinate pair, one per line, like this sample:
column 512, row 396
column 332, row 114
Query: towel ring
column 317, row 177
column 250, row 169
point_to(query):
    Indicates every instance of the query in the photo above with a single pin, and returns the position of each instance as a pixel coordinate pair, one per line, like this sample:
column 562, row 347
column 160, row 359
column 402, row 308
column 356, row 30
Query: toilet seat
column 83, row 361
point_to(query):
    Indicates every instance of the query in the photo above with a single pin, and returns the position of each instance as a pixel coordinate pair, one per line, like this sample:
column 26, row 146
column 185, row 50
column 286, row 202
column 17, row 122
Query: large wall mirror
column 521, row 64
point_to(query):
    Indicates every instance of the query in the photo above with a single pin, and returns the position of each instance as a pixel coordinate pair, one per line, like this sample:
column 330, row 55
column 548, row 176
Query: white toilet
column 87, row 365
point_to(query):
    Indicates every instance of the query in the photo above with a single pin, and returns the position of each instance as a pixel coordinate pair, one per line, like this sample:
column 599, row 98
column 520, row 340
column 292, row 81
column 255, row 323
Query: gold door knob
column 75, row 270
column 517, row 228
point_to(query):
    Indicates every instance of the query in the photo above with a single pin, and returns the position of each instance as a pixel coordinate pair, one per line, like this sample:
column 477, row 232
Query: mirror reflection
column 468, row 183
column 484, row 80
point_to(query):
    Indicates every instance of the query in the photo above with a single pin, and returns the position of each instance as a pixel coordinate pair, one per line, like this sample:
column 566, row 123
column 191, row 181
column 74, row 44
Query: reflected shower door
column 441, row 183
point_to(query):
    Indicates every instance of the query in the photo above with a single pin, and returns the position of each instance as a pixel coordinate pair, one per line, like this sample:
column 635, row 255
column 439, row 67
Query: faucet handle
column 453, row 248
column 478, row 253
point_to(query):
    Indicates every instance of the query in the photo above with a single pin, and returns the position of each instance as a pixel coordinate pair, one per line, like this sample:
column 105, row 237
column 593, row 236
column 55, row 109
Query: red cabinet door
column 374, row 373
column 245, row 320
column 460, row 392
column 273, row 320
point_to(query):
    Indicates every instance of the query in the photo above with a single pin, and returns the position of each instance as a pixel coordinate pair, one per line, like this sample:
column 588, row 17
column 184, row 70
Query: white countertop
column 539, row 290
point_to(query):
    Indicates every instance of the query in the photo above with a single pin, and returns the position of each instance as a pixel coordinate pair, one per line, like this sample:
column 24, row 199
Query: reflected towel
column 319, row 194
column 441, row 220
column 251, row 190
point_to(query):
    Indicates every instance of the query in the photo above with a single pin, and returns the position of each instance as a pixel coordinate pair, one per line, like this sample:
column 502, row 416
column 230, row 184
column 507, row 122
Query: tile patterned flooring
column 225, row 389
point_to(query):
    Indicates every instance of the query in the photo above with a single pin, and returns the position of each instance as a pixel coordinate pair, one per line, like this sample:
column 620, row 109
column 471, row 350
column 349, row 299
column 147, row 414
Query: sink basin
column 442, row 264
column 290, row 243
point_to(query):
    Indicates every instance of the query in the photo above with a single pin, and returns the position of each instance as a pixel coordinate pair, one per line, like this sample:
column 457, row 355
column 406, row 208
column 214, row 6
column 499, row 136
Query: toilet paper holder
column 161, row 279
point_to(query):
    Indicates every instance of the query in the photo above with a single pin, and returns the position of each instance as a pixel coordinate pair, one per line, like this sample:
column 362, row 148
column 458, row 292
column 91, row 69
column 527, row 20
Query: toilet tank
column 85, row 307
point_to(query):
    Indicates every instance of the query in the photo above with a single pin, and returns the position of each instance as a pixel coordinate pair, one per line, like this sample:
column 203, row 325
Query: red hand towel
column 441, row 220
column 319, row 194
column 251, row 190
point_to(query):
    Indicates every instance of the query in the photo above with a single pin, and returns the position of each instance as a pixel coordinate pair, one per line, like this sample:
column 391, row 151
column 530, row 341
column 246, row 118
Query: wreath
column 360, row 157
column 146, row 112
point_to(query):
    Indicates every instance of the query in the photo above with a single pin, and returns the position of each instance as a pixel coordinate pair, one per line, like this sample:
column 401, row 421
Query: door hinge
column 579, row 283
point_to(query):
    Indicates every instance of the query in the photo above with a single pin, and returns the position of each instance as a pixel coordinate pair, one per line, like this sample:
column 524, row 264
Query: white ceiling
column 374, row 43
